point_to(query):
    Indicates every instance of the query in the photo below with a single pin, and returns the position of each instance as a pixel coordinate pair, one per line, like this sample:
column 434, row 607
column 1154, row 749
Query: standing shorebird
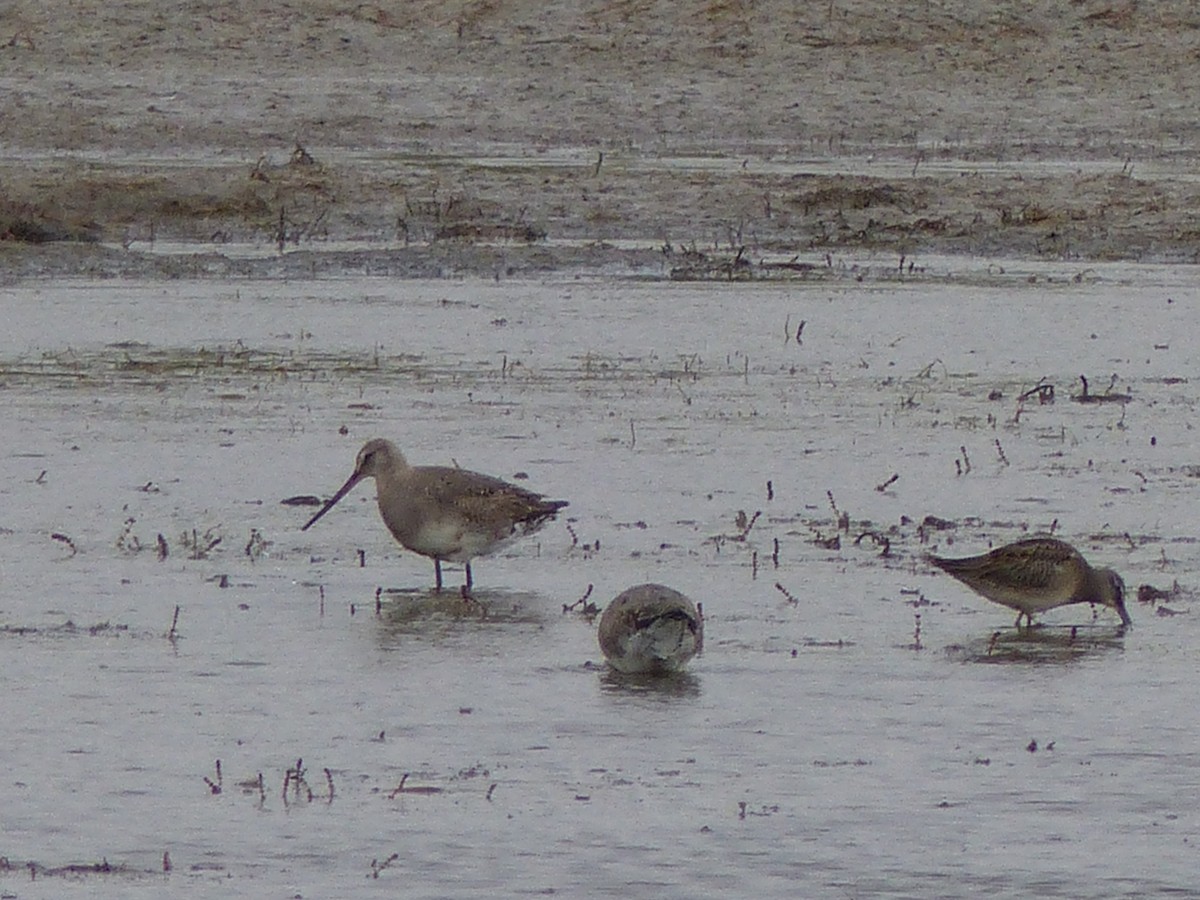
column 650, row 630
column 1037, row 574
column 442, row 512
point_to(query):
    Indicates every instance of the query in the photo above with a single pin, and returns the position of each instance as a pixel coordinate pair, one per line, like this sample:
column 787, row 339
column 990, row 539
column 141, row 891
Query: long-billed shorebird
column 650, row 629
column 442, row 512
column 1037, row 574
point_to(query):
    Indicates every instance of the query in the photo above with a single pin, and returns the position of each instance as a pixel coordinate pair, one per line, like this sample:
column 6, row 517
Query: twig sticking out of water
column 401, row 789
column 585, row 609
column 754, row 566
column 362, row 558
column 488, row 795
column 917, row 632
column 329, row 783
column 744, row 524
column 298, row 781
column 166, row 864
column 294, row 778
column 214, row 786
column 173, row 635
column 887, row 484
column 200, row 544
column 791, row 598
column 321, row 609
column 378, row 601
column 775, row 553
column 828, row 543
column 879, row 539
column 966, row 460
column 770, row 491
column 927, row 372
column 1107, row 397
column 377, row 866
column 1000, row 453
column 257, row 545
column 632, row 435
column 1042, row 390
column 63, row 539
column 163, row 550
column 787, row 328
column 843, row 519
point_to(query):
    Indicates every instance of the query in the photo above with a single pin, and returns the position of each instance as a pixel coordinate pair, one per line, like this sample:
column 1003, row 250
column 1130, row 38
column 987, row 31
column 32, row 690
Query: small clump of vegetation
column 26, row 223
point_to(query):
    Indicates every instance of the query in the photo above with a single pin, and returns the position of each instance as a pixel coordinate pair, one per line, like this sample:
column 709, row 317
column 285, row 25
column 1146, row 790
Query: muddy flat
column 501, row 138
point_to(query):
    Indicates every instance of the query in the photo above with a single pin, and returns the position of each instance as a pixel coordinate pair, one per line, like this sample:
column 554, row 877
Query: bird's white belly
column 665, row 644
column 1027, row 600
column 455, row 541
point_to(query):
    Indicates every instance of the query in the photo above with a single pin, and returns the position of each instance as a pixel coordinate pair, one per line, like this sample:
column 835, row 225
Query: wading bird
column 1037, row 574
column 650, row 629
column 443, row 512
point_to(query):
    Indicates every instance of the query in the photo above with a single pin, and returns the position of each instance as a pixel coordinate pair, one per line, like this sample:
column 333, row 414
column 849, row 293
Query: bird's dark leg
column 437, row 571
column 470, row 582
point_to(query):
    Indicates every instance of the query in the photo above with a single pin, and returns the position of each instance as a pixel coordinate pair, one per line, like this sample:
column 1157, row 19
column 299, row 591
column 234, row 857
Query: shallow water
column 828, row 743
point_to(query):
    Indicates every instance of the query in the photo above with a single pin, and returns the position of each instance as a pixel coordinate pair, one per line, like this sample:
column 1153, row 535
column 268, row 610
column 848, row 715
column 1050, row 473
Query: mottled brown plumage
column 1037, row 574
column 442, row 512
column 650, row 629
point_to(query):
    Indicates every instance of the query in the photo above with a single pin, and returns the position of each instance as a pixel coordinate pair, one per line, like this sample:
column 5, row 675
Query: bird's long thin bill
column 342, row 492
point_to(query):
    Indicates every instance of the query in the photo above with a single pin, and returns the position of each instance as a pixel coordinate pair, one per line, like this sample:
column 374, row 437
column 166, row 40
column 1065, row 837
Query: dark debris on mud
column 77, row 871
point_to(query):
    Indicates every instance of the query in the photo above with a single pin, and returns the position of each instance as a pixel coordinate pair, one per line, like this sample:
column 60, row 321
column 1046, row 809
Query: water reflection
column 1042, row 644
column 409, row 611
column 676, row 684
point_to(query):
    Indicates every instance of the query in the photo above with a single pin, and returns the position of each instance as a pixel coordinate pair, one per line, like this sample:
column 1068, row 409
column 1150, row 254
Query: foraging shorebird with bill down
column 442, row 512
column 1037, row 574
column 650, row 629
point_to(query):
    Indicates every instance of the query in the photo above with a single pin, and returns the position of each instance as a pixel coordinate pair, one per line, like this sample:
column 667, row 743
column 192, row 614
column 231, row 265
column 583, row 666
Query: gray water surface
column 858, row 725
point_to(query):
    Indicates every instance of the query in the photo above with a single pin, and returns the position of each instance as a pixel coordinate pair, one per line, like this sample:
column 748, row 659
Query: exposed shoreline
column 522, row 138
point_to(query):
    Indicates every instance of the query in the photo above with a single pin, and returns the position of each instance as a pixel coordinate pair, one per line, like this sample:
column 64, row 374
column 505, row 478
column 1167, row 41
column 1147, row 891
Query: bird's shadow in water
column 668, row 686
column 1040, row 645
column 416, row 611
